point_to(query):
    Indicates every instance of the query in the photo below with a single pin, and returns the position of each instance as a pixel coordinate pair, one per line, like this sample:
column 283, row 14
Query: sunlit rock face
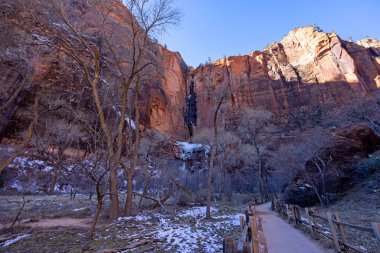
column 167, row 100
column 307, row 68
column 38, row 66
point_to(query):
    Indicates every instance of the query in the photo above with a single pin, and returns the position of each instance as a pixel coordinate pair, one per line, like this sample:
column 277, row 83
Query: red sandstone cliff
column 28, row 63
column 166, row 105
column 308, row 67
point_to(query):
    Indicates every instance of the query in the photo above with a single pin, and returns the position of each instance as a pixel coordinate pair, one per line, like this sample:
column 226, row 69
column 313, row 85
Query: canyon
column 307, row 68
column 96, row 114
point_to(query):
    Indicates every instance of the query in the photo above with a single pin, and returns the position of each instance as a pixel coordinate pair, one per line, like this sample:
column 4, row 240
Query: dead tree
column 96, row 53
column 254, row 127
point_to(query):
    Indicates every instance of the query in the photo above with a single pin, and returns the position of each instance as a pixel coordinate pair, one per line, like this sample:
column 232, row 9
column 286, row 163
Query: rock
column 306, row 68
column 341, row 153
column 38, row 67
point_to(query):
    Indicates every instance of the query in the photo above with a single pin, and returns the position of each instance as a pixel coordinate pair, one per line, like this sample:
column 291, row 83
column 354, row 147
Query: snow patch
column 196, row 212
column 11, row 241
column 187, row 149
column 130, row 121
column 48, row 168
column 17, row 185
column 135, row 218
column 80, row 209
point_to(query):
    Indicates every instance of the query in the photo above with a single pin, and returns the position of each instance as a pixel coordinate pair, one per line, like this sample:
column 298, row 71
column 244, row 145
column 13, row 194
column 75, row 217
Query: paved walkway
column 282, row 237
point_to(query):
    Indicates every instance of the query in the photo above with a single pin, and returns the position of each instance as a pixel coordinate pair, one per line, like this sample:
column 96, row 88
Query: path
column 281, row 237
column 61, row 222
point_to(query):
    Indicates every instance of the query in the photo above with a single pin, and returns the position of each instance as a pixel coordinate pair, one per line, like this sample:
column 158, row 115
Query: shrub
column 368, row 166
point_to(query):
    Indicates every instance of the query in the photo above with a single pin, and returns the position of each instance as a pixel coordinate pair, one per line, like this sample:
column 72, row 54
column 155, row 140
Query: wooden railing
column 248, row 241
column 335, row 230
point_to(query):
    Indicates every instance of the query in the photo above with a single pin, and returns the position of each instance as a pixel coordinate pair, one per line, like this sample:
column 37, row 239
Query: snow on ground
column 185, row 232
column 80, row 209
column 11, row 241
column 24, row 162
column 135, row 218
column 197, row 234
column 195, row 212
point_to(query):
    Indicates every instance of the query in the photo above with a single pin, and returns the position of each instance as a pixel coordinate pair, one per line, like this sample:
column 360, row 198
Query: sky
column 218, row 28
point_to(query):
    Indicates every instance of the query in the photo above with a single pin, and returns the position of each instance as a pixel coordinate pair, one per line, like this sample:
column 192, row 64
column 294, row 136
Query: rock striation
column 308, row 67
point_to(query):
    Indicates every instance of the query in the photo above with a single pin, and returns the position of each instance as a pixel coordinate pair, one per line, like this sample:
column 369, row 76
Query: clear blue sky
column 214, row 28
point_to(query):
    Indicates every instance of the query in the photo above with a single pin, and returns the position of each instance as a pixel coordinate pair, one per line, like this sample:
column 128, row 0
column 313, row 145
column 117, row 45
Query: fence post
column 247, row 247
column 246, row 216
column 376, row 229
column 309, row 220
column 288, row 212
column 315, row 223
column 229, row 245
column 255, row 243
column 333, row 231
column 298, row 215
column 293, row 213
column 242, row 222
column 340, row 227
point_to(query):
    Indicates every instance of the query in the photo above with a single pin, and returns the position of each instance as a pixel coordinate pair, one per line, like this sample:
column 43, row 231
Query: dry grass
column 179, row 232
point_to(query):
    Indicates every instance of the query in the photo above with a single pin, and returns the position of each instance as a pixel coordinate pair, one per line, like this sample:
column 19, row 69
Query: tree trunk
column 128, row 203
column 191, row 194
column 146, row 182
column 222, row 185
column 131, row 172
column 209, row 179
column 212, row 160
column 99, row 207
column 114, row 198
column 53, row 180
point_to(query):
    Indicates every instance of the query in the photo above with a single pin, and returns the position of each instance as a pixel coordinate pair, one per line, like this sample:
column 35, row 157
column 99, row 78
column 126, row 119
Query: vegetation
column 83, row 148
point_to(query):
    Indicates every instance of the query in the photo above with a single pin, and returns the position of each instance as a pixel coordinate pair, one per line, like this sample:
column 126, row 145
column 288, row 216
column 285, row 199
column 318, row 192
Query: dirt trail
column 61, row 222
column 282, row 237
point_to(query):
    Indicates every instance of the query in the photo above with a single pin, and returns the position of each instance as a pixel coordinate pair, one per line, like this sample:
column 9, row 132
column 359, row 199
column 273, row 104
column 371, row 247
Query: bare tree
column 58, row 135
column 222, row 95
column 151, row 145
column 26, row 138
column 228, row 147
column 297, row 154
column 101, row 51
column 254, row 127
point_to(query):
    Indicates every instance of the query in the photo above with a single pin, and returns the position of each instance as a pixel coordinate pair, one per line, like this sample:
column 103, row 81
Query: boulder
column 337, row 160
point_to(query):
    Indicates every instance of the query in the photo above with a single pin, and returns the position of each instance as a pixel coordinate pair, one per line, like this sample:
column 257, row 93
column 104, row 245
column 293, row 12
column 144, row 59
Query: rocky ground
column 58, row 224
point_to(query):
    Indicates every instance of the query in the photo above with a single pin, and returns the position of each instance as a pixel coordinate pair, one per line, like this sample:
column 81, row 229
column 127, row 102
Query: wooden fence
column 335, row 230
column 248, row 241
